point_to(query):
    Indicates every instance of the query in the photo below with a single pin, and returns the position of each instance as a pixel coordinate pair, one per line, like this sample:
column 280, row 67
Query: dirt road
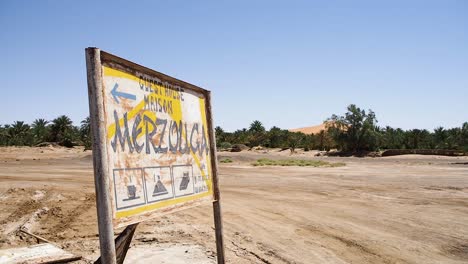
column 409, row 209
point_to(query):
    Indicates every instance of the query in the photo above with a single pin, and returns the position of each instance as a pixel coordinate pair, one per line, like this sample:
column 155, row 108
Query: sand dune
column 310, row 130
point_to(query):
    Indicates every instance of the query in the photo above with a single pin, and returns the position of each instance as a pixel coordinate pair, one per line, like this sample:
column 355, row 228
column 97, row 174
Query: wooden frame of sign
column 154, row 148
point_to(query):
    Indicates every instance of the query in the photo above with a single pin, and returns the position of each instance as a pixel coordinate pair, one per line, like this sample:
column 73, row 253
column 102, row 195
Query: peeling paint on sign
column 157, row 144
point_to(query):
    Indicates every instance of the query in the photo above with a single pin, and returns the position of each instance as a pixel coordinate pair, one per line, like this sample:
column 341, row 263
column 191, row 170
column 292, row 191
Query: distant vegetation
column 59, row 130
column 226, row 160
column 296, row 162
column 355, row 131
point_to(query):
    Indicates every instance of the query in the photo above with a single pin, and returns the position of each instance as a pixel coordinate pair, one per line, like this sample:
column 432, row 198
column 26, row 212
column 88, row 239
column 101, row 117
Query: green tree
column 463, row 139
column 440, row 138
column 278, row 138
column 418, row 139
column 85, row 133
column 294, row 140
column 62, row 131
column 40, row 130
column 355, row 131
column 240, row 136
column 4, row 135
column 324, row 140
column 257, row 135
column 309, row 142
column 453, row 135
column 393, row 138
column 256, row 127
column 19, row 134
column 220, row 136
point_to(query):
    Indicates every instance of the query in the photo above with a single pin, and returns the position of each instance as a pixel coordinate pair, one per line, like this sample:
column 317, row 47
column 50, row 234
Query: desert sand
column 311, row 129
column 405, row 209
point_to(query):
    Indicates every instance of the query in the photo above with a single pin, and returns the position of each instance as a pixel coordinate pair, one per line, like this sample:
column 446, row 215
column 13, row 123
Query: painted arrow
column 117, row 94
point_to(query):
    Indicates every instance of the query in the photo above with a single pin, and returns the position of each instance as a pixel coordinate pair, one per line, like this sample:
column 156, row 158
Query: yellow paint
column 176, row 104
column 116, row 73
column 177, row 116
column 208, row 158
column 161, row 204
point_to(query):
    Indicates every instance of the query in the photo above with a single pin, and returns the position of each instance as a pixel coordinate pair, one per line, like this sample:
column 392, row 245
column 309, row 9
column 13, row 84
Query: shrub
column 225, row 145
column 226, row 160
column 238, row 147
column 293, row 162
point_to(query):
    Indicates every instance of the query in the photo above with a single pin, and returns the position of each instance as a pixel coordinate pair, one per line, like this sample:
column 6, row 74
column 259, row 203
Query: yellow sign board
column 157, row 137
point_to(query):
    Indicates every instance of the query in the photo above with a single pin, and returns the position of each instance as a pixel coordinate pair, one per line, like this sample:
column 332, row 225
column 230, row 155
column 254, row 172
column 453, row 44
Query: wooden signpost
column 154, row 148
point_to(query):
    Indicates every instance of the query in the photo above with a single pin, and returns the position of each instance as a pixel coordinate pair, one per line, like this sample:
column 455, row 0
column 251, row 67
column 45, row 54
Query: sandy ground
column 406, row 209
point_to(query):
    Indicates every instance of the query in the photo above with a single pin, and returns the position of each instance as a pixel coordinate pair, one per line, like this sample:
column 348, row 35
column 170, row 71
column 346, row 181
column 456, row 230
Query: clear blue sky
column 285, row 63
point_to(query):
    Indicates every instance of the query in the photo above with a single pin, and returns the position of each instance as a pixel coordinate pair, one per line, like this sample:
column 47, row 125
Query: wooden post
column 216, row 193
column 101, row 179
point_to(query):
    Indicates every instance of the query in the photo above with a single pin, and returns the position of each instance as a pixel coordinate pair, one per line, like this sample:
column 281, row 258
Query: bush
column 292, row 162
column 226, row 160
column 238, row 147
column 67, row 143
column 225, row 145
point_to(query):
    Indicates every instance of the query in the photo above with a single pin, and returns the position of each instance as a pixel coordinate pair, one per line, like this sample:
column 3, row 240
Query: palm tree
column 256, row 127
column 19, row 134
column 61, row 129
column 40, row 130
column 240, row 136
column 278, row 138
column 220, row 135
column 453, row 135
column 464, row 137
column 85, row 133
column 3, row 135
column 257, row 134
column 440, row 136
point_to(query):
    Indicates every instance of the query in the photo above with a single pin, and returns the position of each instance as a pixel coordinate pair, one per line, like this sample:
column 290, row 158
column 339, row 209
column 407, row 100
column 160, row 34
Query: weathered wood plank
column 101, row 179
